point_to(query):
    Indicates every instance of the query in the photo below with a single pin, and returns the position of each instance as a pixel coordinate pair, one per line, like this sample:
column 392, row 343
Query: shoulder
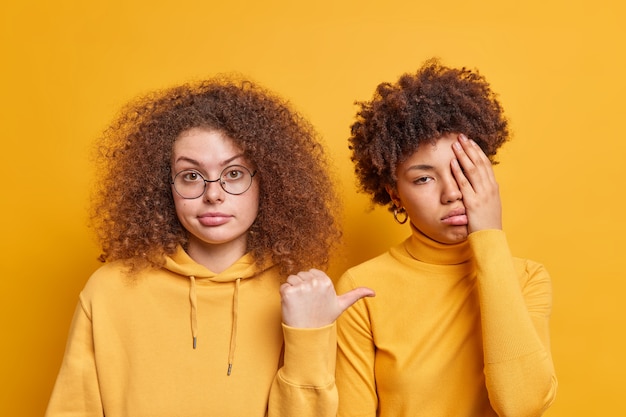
column 529, row 266
column 491, row 250
column 493, row 244
column 112, row 278
column 367, row 272
column 377, row 263
column 531, row 272
column 535, row 284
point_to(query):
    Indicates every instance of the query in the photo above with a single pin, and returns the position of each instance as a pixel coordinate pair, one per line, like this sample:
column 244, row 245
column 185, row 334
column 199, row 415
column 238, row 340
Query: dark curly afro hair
column 420, row 108
column 133, row 209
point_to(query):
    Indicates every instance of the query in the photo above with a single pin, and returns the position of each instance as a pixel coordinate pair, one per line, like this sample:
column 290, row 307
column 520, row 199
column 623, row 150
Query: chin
column 457, row 238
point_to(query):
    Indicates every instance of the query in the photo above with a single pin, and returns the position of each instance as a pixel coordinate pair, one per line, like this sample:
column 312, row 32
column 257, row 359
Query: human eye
column 422, row 180
column 191, row 176
column 233, row 173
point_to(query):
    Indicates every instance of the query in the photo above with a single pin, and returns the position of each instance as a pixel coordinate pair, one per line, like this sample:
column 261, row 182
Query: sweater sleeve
column 76, row 391
column 356, row 381
column 305, row 385
column 515, row 306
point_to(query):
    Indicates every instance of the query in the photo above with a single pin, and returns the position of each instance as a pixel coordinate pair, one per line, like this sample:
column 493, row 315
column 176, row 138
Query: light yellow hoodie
column 183, row 341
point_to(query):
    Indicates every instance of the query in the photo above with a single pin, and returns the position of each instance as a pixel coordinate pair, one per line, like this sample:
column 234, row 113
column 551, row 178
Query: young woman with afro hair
column 213, row 207
column 458, row 326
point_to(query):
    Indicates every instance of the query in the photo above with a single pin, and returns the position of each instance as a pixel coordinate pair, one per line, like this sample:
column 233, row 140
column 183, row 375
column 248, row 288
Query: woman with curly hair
column 458, row 326
column 211, row 198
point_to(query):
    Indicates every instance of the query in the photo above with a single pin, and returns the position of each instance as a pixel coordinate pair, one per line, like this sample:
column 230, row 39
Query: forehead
column 432, row 153
column 205, row 146
column 200, row 138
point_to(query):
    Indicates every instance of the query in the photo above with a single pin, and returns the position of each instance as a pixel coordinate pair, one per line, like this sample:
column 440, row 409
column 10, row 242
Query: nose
column 451, row 191
column 213, row 191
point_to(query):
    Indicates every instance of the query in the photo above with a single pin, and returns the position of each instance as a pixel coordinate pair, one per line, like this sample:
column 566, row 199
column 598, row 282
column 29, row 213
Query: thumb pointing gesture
column 346, row 300
column 308, row 299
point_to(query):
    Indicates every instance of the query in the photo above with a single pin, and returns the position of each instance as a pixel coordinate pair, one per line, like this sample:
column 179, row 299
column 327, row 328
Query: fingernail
column 457, row 145
column 463, row 137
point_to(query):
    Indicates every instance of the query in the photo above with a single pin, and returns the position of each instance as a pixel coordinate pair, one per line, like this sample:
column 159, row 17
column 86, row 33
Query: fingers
column 474, row 174
column 346, row 300
column 472, row 167
column 309, row 299
column 307, row 280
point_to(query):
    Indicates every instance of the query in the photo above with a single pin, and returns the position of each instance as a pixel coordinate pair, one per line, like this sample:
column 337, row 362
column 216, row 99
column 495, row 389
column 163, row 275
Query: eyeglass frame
column 218, row 180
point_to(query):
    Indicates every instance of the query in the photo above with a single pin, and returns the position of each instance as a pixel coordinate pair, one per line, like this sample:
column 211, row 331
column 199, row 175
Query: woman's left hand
column 481, row 195
column 309, row 299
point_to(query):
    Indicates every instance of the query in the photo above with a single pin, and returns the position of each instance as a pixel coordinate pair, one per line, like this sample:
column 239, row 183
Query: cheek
column 416, row 206
column 253, row 204
column 410, row 196
column 180, row 206
column 253, row 196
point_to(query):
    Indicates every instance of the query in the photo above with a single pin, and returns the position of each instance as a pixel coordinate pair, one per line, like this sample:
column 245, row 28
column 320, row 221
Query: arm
column 514, row 304
column 305, row 385
column 76, row 391
column 515, row 315
column 356, row 381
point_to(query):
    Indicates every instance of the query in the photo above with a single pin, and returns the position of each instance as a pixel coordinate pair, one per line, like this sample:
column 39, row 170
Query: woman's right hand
column 309, row 299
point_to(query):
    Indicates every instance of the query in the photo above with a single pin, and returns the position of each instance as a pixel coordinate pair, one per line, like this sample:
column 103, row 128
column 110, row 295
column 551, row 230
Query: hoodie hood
column 246, row 267
column 181, row 263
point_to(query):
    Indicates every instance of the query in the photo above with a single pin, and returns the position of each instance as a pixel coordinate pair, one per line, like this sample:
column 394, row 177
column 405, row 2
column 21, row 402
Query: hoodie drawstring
column 193, row 300
column 233, row 332
column 194, row 309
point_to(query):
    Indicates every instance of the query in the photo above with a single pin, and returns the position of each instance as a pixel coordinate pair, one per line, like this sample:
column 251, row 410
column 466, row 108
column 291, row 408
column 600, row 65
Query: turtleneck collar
column 424, row 249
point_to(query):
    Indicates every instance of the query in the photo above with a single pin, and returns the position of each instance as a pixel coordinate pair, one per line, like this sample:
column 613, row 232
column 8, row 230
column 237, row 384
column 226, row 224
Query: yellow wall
column 67, row 66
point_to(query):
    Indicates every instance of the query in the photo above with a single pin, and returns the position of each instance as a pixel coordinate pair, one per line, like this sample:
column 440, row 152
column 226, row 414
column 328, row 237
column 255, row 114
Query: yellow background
column 67, row 66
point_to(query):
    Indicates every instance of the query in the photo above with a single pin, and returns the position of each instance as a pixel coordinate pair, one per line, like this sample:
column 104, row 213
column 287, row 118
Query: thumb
column 351, row 297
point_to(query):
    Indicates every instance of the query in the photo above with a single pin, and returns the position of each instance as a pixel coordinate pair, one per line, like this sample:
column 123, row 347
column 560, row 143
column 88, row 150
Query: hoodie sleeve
column 76, row 391
column 305, row 385
column 515, row 304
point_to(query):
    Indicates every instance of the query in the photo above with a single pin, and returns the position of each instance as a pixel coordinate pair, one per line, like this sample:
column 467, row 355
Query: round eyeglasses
column 234, row 179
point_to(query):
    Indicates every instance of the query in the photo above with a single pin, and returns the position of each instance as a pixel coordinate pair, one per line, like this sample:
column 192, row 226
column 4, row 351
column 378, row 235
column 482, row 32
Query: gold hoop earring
column 400, row 210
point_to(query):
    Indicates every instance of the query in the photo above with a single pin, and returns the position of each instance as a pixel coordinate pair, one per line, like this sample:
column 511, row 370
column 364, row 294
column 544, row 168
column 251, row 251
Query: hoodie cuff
column 310, row 355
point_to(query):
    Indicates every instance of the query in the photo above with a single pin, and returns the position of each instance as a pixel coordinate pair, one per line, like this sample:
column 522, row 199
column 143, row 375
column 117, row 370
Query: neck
column 217, row 258
column 425, row 249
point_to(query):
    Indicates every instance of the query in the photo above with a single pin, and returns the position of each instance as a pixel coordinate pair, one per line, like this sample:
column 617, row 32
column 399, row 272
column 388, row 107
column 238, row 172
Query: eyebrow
column 420, row 167
column 193, row 161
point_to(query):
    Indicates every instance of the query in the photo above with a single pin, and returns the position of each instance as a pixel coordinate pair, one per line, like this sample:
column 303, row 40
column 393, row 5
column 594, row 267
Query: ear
column 393, row 194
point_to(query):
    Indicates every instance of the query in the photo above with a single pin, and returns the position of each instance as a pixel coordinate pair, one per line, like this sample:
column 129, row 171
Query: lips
column 214, row 219
column 456, row 217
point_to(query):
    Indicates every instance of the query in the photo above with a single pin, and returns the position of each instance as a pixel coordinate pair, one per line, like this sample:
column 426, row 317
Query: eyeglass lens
column 234, row 179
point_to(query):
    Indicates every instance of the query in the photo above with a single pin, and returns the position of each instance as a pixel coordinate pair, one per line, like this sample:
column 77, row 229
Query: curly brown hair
column 420, row 108
column 133, row 208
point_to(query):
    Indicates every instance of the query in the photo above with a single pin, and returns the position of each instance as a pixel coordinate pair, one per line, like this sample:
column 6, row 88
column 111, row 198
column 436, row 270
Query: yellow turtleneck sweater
column 184, row 341
column 454, row 330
